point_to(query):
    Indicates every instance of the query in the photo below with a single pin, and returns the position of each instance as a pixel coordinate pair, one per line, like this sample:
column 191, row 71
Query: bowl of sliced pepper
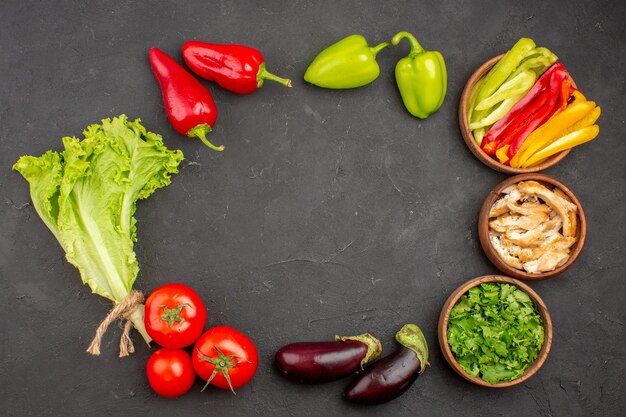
column 521, row 112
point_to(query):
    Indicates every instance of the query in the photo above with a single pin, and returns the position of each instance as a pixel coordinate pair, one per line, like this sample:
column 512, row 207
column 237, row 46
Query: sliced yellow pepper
column 551, row 130
column 568, row 141
column 579, row 96
column 588, row 120
column 501, row 154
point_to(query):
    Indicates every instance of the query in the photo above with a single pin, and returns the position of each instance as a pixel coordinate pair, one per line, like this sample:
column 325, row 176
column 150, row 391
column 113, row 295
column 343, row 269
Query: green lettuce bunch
column 87, row 196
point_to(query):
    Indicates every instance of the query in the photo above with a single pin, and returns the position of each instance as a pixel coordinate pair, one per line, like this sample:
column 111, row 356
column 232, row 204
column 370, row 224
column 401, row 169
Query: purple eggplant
column 316, row 362
column 391, row 376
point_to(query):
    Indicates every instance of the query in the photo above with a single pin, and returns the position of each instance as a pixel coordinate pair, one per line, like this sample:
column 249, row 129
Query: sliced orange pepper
column 501, row 154
column 579, row 96
column 551, row 130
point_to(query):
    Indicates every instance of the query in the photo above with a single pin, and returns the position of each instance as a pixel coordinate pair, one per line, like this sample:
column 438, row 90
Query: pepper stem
column 200, row 131
column 411, row 337
column 263, row 75
column 374, row 348
column 376, row 49
column 416, row 48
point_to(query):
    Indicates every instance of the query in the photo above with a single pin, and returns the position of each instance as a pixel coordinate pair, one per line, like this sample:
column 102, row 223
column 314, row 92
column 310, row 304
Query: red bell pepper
column 566, row 92
column 237, row 68
column 489, row 144
column 188, row 104
column 550, row 106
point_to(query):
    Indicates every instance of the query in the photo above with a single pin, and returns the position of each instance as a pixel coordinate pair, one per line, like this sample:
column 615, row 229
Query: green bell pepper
column 519, row 69
column 498, row 113
column 421, row 77
column 348, row 63
column 501, row 72
column 472, row 99
column 520, row 84
column 537, row 60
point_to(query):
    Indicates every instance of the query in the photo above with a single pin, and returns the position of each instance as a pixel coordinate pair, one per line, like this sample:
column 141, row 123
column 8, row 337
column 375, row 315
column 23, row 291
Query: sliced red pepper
column 572, row 90
column 499, row 127
column 528, row 114
column 565, row 94
column 546, row 111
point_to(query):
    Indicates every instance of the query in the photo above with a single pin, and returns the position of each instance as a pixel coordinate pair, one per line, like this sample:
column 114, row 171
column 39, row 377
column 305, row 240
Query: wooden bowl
column 469, row 137
column 483, row 227
column 444, row 317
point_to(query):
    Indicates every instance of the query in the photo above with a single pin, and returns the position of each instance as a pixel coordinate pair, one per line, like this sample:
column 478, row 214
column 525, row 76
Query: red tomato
column 225, row 358
column 174, row 316
column 170, row 372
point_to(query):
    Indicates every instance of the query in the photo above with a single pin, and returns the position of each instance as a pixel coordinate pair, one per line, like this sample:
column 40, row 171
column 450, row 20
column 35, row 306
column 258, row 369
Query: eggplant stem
column 411, row 337
column 374, row 347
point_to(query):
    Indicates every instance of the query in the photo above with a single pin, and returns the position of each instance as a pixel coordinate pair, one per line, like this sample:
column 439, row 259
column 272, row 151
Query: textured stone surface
column 329, row 212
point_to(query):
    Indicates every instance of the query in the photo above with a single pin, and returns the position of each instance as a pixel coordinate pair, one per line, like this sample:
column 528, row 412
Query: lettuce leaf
column 87, row 195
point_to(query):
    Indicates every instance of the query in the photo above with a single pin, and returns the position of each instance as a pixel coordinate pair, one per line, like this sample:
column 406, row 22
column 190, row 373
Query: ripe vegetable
column 175, row 316
column 505, row 84
column 87, row 195
column 393, row 375
column 527, row 114
column 503, row 69
column 578, row 115
column 501, row 154
column 550, row 130
column 558, row 95
column 495, row 332
column 421, row 77
column 188, row 104
column 349, row 63
column 316, row 362
column 518, row 85
column 225, row 358
column 170, row 372
column 568, row 141
column 237, row 68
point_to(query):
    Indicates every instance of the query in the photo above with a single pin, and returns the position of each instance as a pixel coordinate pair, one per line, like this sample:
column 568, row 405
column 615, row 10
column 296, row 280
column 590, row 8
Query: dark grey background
column 329, row 212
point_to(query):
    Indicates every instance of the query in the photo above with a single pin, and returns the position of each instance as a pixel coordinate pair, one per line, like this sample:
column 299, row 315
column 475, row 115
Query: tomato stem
column 222, row 364
column 172, row 315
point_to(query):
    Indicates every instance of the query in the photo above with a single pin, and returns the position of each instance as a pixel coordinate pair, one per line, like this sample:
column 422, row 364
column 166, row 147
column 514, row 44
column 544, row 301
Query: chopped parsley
column 495, row 332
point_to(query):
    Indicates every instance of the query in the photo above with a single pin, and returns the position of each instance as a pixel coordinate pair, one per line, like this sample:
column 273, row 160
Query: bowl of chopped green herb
column 495, row 331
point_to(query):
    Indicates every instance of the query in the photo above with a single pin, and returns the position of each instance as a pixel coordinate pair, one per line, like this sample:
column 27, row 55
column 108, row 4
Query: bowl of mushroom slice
column 532, row 227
